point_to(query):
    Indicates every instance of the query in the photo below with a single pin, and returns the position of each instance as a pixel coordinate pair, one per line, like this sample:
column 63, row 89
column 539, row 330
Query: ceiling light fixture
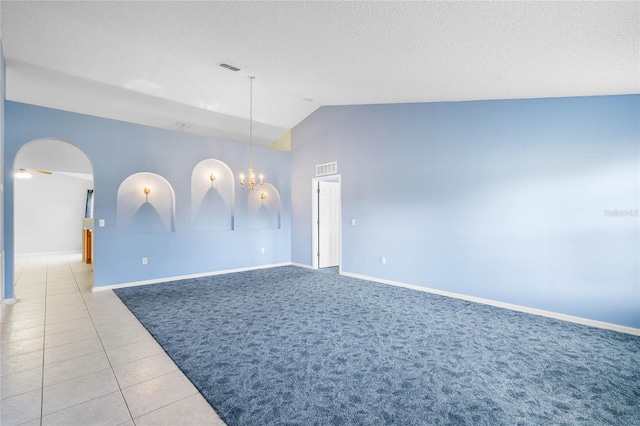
column 251, row 184
column 22, row 174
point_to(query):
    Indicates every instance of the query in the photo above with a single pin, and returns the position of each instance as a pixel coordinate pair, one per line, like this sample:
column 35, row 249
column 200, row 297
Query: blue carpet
column 290, row 346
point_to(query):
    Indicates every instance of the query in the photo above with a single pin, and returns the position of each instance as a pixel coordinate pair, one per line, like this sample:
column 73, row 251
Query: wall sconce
column 212, row 178
column 263, row 196
column 146, row 191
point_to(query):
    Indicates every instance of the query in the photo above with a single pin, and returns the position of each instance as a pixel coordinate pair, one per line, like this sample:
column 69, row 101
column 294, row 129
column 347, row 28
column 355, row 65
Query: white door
column 328, row 224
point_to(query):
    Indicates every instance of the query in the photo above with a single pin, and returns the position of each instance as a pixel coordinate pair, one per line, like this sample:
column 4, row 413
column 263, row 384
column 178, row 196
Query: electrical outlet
column 144, row 260
column 101, row 223
column 262, row 250
column 383, row 260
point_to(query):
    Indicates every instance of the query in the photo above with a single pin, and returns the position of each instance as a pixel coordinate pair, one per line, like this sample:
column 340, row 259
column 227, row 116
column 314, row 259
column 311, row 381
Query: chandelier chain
column 251, row 184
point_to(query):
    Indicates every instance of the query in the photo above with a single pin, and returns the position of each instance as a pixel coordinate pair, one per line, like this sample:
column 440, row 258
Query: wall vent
column 326, row 169
column 229, row 67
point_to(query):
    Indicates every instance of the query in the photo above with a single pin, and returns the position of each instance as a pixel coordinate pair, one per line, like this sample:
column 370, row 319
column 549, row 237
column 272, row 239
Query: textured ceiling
column 157, row 62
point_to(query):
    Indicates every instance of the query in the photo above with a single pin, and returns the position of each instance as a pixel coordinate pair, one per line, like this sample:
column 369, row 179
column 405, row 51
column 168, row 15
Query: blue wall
column 504, row 200
column 2, row 155
column 118, row 150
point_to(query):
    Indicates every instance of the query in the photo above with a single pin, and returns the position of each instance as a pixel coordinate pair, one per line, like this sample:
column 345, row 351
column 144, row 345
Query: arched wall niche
column 145, row 213
column 212, row 200
column 263, row 208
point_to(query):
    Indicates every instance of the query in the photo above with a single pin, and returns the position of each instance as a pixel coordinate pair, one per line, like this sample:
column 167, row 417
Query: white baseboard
column 48, row 253
column 518, row 308
column 6, row 302
column 301, row 265
column 534, row 311
column 186, row 277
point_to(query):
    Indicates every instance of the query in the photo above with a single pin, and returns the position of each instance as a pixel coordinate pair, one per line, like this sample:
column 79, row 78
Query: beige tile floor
column 73, row 357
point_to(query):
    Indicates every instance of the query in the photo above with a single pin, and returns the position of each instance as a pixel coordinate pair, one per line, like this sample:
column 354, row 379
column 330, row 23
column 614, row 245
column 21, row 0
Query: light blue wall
column 2, row 95
column 118, row 150
column 503, row 200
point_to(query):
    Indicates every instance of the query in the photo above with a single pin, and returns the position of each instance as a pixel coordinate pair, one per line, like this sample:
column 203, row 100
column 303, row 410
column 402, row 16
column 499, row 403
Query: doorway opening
column 53, row 211
column 326, row 226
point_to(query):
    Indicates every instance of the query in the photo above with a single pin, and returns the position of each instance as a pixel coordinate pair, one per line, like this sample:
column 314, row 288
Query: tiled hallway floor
column 73, row 357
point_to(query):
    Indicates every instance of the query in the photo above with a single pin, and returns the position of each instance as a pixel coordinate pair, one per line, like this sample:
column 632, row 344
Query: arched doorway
column 53, row 193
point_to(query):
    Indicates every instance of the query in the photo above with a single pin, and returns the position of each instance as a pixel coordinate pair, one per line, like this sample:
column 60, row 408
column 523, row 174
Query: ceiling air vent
column 326, row 169
column 182, row 126
column 229, row 67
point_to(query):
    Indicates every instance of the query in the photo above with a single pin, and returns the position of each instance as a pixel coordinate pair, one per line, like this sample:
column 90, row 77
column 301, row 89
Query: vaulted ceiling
column 157, row 63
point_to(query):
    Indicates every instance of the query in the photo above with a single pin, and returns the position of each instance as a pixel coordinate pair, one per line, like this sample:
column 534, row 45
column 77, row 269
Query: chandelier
column 250, row 185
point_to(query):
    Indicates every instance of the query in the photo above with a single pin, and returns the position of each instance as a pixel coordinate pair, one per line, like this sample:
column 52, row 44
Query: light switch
column 353, row 222
column 101, row 223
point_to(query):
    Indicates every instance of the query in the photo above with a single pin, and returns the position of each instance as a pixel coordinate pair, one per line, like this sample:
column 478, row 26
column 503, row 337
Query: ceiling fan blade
column 45, row 172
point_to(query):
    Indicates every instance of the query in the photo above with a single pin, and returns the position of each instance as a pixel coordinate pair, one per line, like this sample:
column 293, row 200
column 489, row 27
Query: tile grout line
column 44, row 337
column 75, row 378
column 79, row 403
column 45, row 313
column 44, row 333
column 171, row 403
column 147, row 380
column 102, row 344
column 97, row 304
column 17, row 281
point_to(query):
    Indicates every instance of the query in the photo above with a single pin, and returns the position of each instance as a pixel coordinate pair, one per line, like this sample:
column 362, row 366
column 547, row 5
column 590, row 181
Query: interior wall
column 117, row 150
column 529, row 202
column 48, row 213
column 2, row 155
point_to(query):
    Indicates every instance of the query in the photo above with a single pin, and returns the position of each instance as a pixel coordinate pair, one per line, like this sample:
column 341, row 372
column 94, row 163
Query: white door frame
column 314, row 217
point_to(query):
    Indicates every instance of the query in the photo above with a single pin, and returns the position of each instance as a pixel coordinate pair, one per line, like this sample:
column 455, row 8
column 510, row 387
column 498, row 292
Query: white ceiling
column 156, row 63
